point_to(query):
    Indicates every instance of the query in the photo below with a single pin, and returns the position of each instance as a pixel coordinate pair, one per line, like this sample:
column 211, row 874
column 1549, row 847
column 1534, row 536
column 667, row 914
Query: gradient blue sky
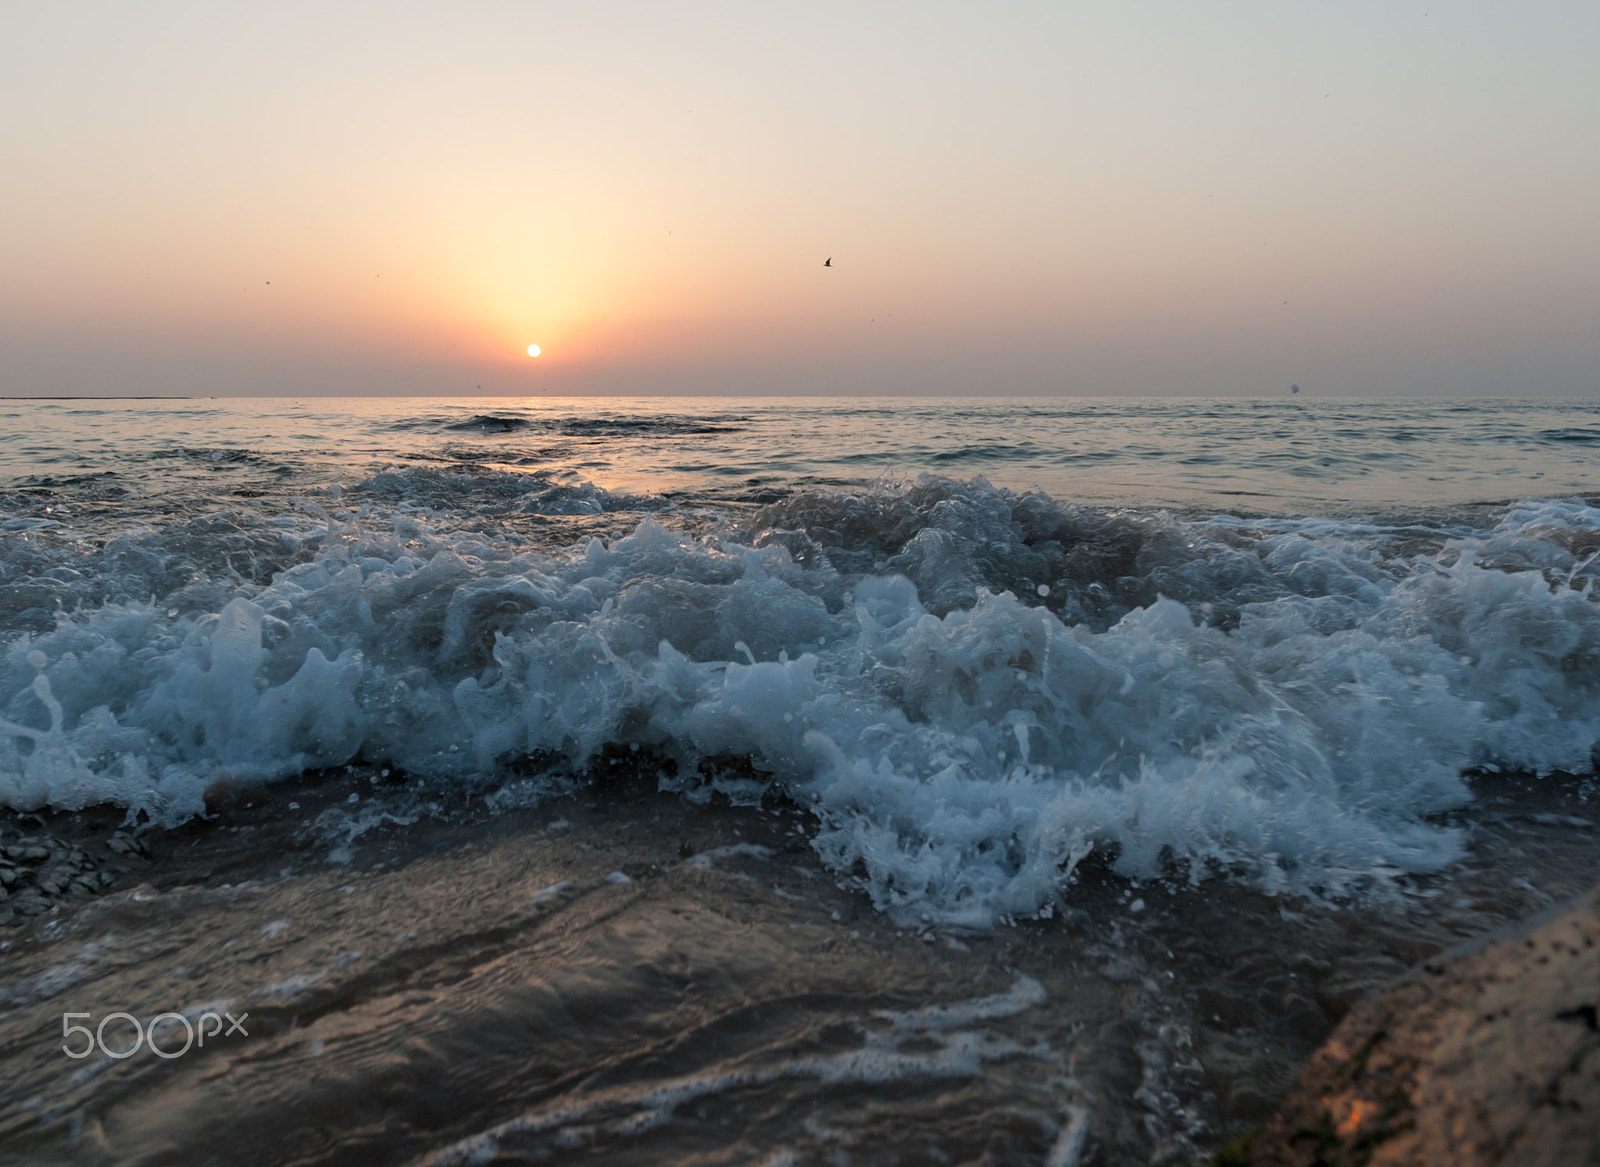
column 1365, row 198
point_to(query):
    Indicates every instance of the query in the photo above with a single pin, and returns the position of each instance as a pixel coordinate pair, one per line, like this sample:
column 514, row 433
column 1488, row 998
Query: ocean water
column 771, row 781
column 979, row 640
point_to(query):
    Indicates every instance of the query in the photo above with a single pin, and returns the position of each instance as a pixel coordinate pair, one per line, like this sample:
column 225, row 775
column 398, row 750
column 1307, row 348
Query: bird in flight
column 828, row 262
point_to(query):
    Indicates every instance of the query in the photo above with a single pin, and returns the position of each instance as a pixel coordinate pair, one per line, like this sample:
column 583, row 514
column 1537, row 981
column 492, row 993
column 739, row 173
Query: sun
column 533, row 350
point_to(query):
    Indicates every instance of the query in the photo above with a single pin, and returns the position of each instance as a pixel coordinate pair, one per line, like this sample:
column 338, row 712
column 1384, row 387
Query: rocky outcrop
column 1485, row 1055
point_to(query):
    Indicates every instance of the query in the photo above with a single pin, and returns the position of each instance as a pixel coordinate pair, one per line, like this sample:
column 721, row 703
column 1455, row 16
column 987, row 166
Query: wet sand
column 616, row 975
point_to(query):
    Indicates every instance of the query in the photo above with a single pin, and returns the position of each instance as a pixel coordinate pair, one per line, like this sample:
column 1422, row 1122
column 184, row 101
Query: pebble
column 37, row 871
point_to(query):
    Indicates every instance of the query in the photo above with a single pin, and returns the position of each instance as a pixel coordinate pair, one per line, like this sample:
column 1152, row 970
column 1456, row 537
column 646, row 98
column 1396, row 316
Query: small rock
column 125, row 844
column 29, row 902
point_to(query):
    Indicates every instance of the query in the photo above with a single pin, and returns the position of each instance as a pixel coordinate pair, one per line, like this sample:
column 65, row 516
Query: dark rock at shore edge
column 1489, row 1054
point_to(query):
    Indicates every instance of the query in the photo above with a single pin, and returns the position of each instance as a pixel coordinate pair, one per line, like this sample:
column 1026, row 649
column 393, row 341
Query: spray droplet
column 1043, row 589
column 38, row 659
column 1294, row 388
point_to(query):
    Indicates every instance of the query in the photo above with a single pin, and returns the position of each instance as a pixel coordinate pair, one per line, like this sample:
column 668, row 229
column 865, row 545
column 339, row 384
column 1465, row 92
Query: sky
column 294, row 198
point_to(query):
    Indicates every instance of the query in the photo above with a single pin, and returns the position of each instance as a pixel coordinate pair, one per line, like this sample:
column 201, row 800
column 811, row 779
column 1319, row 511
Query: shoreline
column 723, row 962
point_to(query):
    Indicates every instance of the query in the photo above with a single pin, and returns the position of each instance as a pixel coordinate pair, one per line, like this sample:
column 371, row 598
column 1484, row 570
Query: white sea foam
column 1288, row 699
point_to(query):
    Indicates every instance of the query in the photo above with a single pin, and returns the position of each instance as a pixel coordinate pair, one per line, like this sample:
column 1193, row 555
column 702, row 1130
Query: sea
column 768, row 780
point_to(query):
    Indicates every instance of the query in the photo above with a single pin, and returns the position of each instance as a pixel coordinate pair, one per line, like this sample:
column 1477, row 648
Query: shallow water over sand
column 618, row 976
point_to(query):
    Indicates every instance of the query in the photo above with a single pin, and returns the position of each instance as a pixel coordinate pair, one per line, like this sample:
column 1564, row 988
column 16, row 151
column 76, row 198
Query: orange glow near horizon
column 1214, row 205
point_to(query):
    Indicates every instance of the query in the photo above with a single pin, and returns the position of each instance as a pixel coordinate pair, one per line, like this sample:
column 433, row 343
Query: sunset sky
column 296, row 198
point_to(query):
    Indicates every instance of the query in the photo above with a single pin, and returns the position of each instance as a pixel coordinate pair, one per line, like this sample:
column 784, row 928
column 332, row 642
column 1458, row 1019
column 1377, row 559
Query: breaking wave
column 973, row 689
